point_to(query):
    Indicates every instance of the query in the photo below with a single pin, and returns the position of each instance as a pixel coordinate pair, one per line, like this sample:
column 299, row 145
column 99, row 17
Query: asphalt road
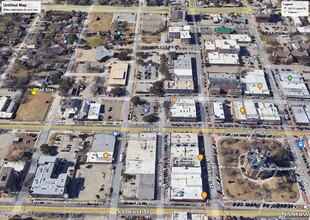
column 143, row 128
column 147, row 210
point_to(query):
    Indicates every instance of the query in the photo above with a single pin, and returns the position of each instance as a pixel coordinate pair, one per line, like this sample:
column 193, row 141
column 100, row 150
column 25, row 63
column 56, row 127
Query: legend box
column 295, row 8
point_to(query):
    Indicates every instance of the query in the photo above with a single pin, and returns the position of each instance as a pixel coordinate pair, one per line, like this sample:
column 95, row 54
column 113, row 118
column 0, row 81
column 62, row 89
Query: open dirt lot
column 35, row 107
column 86, row 55
column 103, row 24
column 96, row 178
column 113, row 110
column 25, row 144
column 150, row 39
column 6, row 142
column 153, row 23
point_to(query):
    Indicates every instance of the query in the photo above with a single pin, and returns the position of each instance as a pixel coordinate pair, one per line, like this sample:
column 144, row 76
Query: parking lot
column 139, row 111
column 68, row 145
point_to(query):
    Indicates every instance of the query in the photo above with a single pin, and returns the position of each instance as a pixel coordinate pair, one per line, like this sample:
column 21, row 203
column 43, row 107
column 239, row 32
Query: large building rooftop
column 251, row 81
column 102, row 143
column 118, row 75
column 141, row 154
column 186, row 183
column 256, row 112
column 183, row 67
column 295, row 87
column 227, row 44
column 241, row 38
column 301, row 113
column 218, row 111
column 44, row 184
column 183, row 108
column 216, row 58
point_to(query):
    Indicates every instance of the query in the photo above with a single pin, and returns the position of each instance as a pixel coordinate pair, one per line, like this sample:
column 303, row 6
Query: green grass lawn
column 94, row 41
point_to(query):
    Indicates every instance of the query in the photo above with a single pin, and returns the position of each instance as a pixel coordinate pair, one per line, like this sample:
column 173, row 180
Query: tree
column 135, row 100
column 65, row 85
column 150, row 118
column 56, row 78
column 157, row 88
column 167, row 105
column 118, row 91
column 122, row 55
column 46, row 149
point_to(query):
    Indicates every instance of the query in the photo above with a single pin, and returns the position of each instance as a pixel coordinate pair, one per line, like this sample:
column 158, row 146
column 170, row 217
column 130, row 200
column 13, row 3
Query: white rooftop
column 188, row 216
column 242, row 38
column 141, row 153
column 209, row 45
column 226, row 44
column 186, row 183
column 301, row 113
column 94, row 111
column 294, row 88
column 268, row 112
column 183, row 108
column 43, row 184
column 251, row 81
column 218, row 111
column 185, row 35
column 256, row 111
column 223, row 58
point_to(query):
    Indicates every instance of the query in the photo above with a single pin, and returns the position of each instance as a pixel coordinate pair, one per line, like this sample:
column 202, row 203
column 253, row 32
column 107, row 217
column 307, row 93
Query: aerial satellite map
column 154, row 109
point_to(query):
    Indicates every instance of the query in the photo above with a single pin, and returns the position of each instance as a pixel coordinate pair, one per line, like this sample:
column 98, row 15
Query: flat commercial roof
column 294, row 88
column 184, row 138
column 226, row 44
column 268, row 112
column 209, row 45
column 300, row 114
column 218, row 111
column 179, row 85
column 223, row 58
column 2, row 102
column 185, row 35
column 250, row 83
column 236, row 106
column 186, row 183
column 43, row 183
column 119, row 72
column 186, row 180
column 183, row 66
column 145, row 186
column 141, row 153
column 188, row 216
column 250, row 109
column 103, row 143
column 179, row 29
column 183, row 108
column 256, row 111
column 94, row 111
column 241, row 38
